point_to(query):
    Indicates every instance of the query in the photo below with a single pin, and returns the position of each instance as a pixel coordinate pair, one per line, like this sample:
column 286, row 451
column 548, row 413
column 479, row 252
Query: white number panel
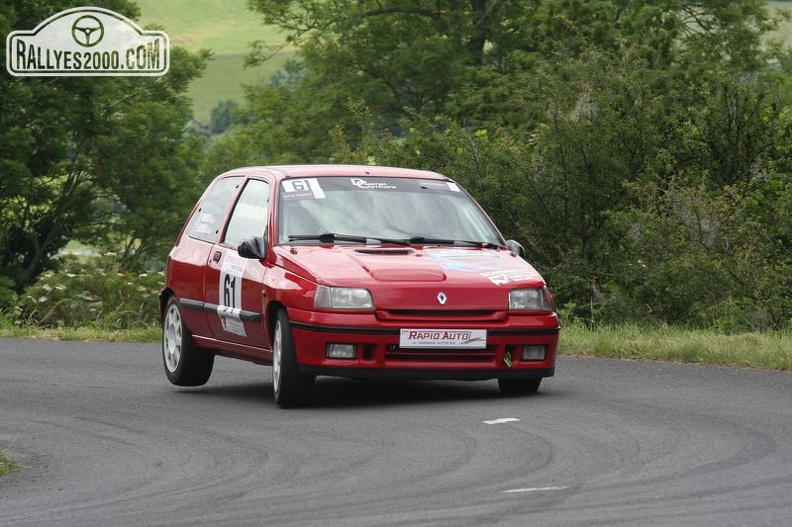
column 230, row 303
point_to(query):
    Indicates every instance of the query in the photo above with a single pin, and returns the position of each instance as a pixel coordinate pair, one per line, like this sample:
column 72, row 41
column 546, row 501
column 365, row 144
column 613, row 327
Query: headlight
column 342, row 298
column 530, row 300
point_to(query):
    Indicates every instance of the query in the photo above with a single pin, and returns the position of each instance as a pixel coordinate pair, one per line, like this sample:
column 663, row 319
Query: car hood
column 412, row 277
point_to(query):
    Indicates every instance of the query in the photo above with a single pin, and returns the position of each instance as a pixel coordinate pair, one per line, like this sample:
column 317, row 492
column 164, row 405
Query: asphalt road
column 103, row 439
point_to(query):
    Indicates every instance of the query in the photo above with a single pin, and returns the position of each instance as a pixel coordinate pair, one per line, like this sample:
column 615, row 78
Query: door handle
column 216, row 256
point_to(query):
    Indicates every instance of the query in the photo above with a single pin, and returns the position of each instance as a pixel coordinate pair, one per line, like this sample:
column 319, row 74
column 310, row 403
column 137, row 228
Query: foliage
column 221, row 116
column 104, row 160
column 472, row 61
column 97, row 292
column 7, row 294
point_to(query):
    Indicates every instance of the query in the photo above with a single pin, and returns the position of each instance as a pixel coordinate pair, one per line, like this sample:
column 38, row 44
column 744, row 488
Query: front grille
column 441, row 315
column 395, row 353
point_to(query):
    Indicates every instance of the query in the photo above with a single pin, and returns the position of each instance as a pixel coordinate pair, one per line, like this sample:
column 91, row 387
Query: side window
column 250, row 213
column 208, row 218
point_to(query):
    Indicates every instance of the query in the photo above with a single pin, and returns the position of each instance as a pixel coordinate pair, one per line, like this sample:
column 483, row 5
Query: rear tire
column 290, row 387
column 519, row 386
column 185, row 363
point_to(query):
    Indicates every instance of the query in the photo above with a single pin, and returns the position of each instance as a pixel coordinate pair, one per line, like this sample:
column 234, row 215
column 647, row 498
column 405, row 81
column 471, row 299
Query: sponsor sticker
column 430, row 184
column 379, row 185
column 443, row 338
column 302, row 189
column 205, row 222
column 506, row 276
column 87, row 41
column 466, row 260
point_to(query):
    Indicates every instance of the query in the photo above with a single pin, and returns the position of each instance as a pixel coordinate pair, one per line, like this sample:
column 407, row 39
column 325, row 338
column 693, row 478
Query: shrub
column 7, row 294
column 97, row 292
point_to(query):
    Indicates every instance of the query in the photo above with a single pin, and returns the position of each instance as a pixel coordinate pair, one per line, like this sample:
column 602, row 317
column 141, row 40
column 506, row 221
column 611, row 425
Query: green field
column 223, row 80
column 225, row 27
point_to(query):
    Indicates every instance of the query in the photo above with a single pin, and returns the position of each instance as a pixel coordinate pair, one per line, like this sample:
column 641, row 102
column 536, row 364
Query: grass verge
column 764, row 350
column 150, row 334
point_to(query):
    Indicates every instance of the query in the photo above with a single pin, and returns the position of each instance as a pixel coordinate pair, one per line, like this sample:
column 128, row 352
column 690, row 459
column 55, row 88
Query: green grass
column 225, row 27
column 765, row 350
column 147, row 335
column 223, row 80
column 6, row 465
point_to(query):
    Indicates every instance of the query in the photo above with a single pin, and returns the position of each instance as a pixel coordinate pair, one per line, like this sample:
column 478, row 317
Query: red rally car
column 353, row 271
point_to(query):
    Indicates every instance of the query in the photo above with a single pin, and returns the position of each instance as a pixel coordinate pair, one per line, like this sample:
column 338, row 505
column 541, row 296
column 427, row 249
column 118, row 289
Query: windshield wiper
column 332, row 237
column 423, row 240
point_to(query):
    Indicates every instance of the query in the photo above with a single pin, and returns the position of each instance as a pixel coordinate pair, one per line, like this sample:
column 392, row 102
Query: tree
column 714, row 226
column 472, row 61
column 221, row 116
column 100, row 159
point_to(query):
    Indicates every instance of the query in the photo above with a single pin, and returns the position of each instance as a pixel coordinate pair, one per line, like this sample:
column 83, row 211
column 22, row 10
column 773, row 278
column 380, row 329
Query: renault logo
column 442, row 298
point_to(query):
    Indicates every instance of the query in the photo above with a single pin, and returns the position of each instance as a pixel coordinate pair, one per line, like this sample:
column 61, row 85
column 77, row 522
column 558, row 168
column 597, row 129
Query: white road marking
column 501, row 420
column 533, row 489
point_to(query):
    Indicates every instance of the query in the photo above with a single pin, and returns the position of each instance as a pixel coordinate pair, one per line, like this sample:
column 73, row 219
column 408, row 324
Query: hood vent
column 395, row 252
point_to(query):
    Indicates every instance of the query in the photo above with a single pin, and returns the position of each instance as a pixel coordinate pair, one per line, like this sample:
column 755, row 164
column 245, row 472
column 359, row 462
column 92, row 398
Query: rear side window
column 207, row 220
column 250, row 213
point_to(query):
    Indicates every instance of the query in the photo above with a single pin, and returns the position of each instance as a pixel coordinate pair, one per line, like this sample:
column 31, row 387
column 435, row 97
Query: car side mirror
column 254, row 248
column 515, row 247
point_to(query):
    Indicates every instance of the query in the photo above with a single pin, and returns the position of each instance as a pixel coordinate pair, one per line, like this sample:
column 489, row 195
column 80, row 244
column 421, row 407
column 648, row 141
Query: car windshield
column 380, row 210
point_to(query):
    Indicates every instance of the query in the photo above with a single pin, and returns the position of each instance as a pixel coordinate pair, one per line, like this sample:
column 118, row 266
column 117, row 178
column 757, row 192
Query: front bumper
column 379, row 355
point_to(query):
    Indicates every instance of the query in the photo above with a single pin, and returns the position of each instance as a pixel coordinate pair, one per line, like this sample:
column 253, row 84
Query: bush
column 7, row 294
column 97, row 292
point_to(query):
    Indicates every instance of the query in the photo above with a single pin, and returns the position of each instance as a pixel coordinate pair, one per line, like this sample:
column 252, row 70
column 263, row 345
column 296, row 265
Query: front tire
column 185, row 363
column 290, row 387
column 519, row 386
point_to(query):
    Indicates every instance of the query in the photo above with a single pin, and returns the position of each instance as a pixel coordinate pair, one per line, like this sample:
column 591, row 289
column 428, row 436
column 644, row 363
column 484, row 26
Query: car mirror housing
column 253, row 248
column 515, row 247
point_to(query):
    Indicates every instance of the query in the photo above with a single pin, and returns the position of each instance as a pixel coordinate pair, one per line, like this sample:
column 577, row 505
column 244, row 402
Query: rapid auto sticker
column 230, row 303
column 443, row 338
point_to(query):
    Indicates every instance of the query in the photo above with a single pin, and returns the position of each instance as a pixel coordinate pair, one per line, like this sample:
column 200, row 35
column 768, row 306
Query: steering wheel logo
column 87, row 31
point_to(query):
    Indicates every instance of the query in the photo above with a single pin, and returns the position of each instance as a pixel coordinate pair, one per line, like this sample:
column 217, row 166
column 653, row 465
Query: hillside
column 224, row 26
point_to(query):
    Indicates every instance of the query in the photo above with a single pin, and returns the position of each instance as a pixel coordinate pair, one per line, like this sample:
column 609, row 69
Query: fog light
column 532, row 353
column 341, row 351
